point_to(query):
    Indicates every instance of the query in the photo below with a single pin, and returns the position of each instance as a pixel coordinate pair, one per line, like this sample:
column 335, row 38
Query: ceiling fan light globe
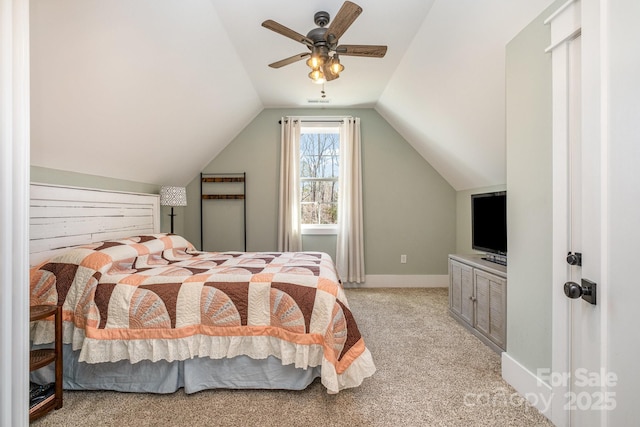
column 314, row 62
column 317, row 76
column 336, row 67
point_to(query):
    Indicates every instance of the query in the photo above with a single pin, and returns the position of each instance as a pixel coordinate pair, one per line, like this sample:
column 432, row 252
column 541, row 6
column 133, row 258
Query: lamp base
column 172, row 215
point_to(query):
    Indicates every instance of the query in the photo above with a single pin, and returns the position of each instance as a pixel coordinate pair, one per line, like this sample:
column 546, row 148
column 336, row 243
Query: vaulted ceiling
column 152, row 90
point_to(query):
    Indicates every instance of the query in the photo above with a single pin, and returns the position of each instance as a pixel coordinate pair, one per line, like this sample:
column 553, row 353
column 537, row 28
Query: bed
column 147, row 312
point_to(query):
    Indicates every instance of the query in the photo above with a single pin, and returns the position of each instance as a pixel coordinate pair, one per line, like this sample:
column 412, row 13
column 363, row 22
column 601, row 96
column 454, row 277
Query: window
column 319, row 177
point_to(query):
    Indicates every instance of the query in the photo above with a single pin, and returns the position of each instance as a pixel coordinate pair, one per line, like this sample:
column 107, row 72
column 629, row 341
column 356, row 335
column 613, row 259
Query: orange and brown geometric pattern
column 155, row 297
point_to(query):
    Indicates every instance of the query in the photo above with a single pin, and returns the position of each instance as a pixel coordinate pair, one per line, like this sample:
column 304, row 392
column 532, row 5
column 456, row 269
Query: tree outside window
column 319, row 174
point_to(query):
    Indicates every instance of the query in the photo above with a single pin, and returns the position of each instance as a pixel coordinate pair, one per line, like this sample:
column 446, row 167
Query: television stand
column 478, row 298
column 498, row 259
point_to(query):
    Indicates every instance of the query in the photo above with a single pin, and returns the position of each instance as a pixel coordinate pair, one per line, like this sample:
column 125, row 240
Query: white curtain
column 289, row 234
column 350, row 242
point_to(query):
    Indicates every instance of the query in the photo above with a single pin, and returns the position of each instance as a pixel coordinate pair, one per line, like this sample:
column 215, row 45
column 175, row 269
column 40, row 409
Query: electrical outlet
column 403, row 259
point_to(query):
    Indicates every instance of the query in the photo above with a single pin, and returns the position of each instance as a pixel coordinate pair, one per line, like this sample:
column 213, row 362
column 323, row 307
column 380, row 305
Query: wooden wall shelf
column 223, row 178
column 222, row 196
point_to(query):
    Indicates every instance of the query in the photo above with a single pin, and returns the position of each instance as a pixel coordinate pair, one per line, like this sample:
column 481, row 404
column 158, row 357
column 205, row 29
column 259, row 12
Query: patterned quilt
column 155, row 297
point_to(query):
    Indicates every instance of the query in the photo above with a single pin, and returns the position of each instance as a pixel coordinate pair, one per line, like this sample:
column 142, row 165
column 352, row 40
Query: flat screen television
column 489, row 222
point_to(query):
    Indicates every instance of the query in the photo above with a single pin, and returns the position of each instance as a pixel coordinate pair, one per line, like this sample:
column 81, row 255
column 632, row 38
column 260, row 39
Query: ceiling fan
column 324, row 50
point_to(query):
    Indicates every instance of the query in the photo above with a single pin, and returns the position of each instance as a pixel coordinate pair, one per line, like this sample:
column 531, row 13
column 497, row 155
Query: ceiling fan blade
column 343, row 20
column 371, row 51
column 287, row 32
column 290, row 60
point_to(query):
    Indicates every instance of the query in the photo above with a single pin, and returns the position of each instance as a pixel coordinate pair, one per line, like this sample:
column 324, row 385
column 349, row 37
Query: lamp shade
column 173, row 196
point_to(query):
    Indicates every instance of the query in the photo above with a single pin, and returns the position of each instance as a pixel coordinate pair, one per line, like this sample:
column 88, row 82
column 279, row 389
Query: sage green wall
column 463, row 217
column 529, row 202
column 408, row 207
column 60, row 177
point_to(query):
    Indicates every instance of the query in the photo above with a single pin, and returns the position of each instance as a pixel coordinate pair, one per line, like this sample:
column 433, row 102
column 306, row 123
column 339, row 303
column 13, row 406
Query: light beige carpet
column 431, row 372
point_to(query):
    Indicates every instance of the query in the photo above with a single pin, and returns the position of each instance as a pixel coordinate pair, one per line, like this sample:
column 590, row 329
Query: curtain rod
column 315, row 121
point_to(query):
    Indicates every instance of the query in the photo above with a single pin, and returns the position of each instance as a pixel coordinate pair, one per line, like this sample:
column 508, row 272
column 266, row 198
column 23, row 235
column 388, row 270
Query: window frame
column 328, row 127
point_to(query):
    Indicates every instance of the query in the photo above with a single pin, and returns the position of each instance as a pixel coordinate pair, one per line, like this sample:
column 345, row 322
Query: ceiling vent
column 318, row 101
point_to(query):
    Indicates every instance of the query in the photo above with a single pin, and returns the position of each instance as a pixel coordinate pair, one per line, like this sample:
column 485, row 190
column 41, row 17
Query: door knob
column 572, row 290
column 586, row 290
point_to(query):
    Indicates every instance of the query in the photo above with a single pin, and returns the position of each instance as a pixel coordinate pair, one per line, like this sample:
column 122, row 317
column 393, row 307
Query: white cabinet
column 478, row 298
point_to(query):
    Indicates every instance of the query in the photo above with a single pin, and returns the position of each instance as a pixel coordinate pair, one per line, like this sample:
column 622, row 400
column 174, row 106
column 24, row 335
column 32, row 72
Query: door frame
column 567, row 23
column 14, row 218
column 564, row 29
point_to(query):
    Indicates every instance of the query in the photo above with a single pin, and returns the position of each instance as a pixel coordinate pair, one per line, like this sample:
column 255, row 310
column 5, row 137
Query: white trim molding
column 559, row 11
column 538, row 393
column 403, row 281
column 14, row 208
column 319, row 229
column 565, row 24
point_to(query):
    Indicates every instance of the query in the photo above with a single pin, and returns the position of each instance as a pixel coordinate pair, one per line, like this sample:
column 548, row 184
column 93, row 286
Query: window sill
column 319, row 229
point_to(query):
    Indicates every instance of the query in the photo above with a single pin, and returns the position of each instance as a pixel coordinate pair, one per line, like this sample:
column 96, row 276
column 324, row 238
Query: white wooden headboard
column 62, row 217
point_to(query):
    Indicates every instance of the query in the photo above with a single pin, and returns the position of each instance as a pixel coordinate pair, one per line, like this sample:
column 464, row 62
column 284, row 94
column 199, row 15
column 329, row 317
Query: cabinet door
column 490, row 296
column 461, row 290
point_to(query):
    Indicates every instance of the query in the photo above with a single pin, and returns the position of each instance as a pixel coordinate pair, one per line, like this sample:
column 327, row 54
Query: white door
column 579, row 380
column 584, row 397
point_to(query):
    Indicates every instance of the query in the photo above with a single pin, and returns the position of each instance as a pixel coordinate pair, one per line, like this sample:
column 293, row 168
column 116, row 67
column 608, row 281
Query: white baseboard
column 537, row 392
column 402, row 281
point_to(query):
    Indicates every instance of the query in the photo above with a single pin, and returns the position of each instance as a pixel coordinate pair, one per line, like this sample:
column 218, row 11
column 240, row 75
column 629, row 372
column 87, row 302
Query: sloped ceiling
column 152, row 90
column 447, row 95
column 145, row 90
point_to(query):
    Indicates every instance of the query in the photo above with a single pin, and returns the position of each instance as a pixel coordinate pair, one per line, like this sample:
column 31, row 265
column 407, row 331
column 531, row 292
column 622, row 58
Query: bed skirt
column 240, row 372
